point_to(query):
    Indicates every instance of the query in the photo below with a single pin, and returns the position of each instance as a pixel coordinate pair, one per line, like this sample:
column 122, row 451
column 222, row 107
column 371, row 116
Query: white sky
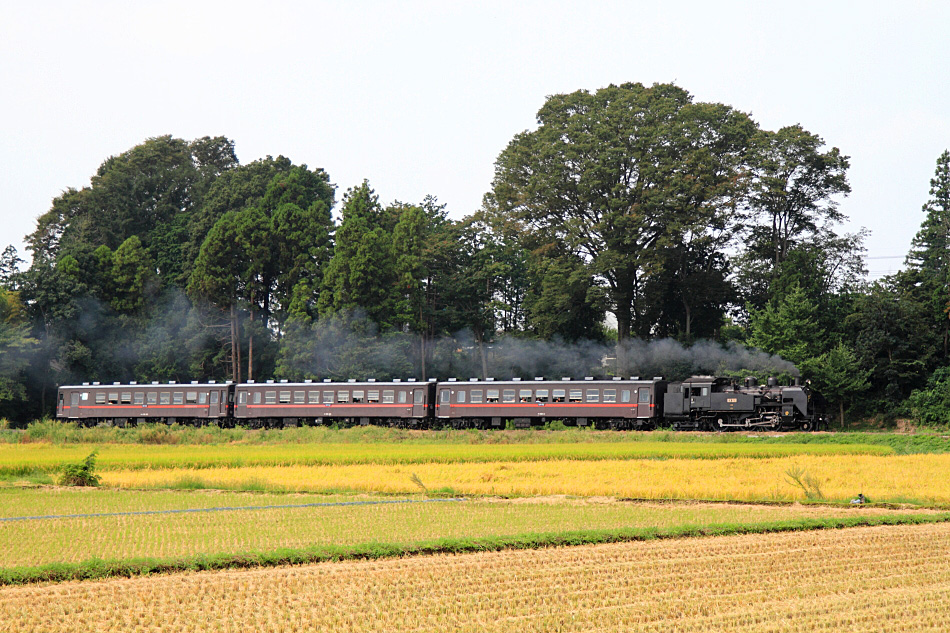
column 420, row 97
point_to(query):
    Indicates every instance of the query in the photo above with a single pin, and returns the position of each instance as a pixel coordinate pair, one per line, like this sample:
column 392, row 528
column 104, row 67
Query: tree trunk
column 841, row 411
column 234, row 357
column 624, row 319
column 250, row 348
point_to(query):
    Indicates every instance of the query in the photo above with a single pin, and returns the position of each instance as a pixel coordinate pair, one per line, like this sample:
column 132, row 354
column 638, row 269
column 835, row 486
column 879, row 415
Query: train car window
column 492, row 396
column 113, row 398
column 358, row 396
column 203, row 397
column 270, row 397
column 242, row 397
column 446, row 396
column 419, row 396
column 575, row 395
column 593, row 395
column 389, row 396
column 343, row 396
column 508, row 395
column 524, row 395
column 166, row 398
column 705, row 391
column 559, row 395
column 625, row 395
column 541, row 395
column 285, row 397
column 372, row 397
column 313, row 397
column 191, row 397
column 476, row 396
column 126, row 397
column 610, row 395
column 100, row 398
column 402, row 397
column 85, row 396
column 644, row 395
column 460, row 397
column 257, row 397
column 138, row 398
column 327, row 397
column 178, row 397
column 300, row 397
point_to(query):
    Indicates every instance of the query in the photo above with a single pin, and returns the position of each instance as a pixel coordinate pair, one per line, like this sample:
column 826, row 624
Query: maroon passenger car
column 120, row 404
column 617, row 403
column 396, row 403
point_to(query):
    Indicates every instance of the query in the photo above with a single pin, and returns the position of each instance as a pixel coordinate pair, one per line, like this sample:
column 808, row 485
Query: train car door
column 240, row 407
column 214, row 400
column 74, row 404
column 445, row 402
column 699, row 396
column 418, row 403
column 644, row 402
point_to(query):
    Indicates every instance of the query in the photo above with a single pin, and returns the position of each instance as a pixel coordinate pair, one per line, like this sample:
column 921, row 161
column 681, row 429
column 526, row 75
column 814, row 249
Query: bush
column 81, row 474
column 931, row 406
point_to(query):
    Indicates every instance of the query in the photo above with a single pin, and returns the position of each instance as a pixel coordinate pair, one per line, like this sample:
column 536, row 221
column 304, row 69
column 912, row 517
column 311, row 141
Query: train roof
column 153, row 384
column 541, row 381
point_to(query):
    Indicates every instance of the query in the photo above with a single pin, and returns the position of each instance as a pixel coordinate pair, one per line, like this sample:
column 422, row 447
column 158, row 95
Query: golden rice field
column 863, row 579
column 920, row 478
column 30, row 543
column 48, row 457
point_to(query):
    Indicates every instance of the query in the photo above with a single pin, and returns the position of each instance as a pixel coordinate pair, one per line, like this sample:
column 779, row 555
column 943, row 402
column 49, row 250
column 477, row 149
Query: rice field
column 31, row 543
column 46, row 457
column 893, row 578
column 893, row 478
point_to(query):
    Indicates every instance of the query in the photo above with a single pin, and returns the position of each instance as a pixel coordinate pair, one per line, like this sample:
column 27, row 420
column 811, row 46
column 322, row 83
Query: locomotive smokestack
column 772, row 382
column 798, row 381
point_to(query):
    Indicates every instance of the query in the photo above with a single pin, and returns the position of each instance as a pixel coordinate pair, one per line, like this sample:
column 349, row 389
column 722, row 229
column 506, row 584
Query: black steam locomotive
column 701, row 403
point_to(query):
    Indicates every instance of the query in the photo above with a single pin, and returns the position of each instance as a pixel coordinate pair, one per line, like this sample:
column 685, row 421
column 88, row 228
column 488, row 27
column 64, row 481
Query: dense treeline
column 630, row 214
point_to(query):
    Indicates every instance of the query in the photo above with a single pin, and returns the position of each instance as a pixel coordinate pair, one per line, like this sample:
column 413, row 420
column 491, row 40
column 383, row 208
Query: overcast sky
column 420, row 97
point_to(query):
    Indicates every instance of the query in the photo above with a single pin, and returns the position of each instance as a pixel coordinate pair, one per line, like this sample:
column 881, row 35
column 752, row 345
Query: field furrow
column 894, row 578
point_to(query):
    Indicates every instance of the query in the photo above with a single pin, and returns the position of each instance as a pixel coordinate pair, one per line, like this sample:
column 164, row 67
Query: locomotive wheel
column 717, row 425
column 806, row 425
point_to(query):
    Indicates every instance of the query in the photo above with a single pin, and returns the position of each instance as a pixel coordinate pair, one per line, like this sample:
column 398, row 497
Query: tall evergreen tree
column 929, row 257
column 361, row 275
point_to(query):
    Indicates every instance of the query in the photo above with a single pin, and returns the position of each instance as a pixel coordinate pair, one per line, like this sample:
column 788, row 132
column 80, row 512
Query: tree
column 793, row 190
column 361, row 274
column 10, row 268
column 148, row 191
column 931, row 405
column 929, row 257
column 133, row 276
column 614, row 174
column 789, row 327
column 16, row 346
column 839, row 376
column 563, row 302
column 893, row 336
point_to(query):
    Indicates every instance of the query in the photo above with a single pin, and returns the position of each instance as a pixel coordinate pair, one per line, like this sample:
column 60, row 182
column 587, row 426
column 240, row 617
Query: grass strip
column 24, row 460
column 97, row 569
column 66, row 433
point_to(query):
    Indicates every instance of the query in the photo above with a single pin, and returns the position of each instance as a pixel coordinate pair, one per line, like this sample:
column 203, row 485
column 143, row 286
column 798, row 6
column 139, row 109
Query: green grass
column 540, row 535
column 150, row 434
column 75, row 540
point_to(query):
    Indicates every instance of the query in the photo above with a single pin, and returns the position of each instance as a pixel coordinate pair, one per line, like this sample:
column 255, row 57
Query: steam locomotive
column 700, row 403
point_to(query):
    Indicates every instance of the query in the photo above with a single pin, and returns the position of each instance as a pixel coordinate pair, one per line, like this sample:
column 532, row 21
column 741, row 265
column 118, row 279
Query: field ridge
column 95, row 569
